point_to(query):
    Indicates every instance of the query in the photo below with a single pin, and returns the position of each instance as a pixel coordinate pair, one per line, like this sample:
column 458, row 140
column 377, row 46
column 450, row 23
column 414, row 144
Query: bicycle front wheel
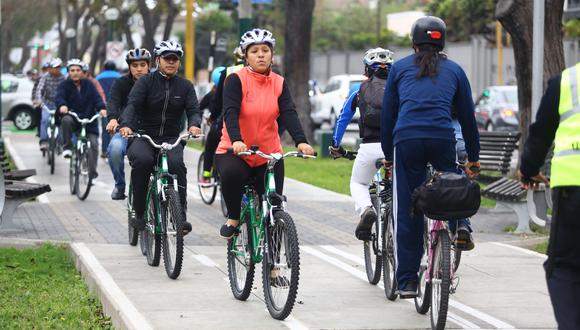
column 151, row 238
column 172, row 218
column 440, row 281
column 389, row 274
column 84, row 180
column 133, row 233
column 207, row 191
column 72, row 173
column 373, row 262
column 241, row 267
column 51, row 152
column 281, row 266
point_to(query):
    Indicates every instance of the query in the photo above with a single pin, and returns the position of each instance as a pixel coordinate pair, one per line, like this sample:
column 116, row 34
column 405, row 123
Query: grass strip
column 41, row 289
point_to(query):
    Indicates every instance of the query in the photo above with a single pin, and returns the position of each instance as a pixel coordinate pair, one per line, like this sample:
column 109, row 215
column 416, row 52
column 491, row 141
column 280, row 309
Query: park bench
column 497, row 149
column 14, row 192
column 13, row 174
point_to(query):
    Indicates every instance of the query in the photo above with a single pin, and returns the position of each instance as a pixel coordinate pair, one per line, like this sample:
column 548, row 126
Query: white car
column 16, row 101
column 326, row 106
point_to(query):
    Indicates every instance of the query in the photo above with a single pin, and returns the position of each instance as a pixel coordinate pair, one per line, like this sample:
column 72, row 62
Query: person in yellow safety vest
column 558, row 121
column 216, row 116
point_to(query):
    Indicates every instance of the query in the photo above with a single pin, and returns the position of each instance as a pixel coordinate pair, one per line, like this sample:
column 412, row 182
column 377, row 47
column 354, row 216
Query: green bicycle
column 164, row 213
column 266, row 233
column 81, row 163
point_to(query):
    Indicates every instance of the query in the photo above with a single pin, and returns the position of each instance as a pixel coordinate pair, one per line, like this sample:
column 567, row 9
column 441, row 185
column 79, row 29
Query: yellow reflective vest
column 566, row 161
column 234, row 68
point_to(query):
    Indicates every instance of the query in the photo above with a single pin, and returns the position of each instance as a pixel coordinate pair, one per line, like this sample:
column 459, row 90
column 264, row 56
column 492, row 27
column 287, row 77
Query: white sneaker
column 66, row 153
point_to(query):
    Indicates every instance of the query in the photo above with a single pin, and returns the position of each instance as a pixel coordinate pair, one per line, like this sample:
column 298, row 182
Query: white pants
column 362, row 174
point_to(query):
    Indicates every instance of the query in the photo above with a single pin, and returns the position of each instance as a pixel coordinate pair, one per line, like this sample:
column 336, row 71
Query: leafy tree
column 572, row 28
column 464, row 17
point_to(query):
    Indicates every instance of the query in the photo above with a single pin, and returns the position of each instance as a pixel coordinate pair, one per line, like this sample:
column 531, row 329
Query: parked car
column 326, row 106
column 497, row 109
column 16, row 101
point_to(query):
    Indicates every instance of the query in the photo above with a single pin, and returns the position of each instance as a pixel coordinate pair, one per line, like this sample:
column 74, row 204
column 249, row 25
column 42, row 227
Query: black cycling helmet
column 429, row 30
column 109, row 65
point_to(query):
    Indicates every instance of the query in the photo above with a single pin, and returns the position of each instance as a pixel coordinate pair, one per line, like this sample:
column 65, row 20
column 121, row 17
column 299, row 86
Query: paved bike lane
column 500, row 286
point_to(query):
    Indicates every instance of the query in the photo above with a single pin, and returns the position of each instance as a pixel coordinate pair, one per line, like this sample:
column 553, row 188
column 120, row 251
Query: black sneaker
column 227, row 231
column 118, row 194
column 363, row 229
column 409, row 291
column 463, row 239
column 138, row 223
column 279, row 282
column 186, row 227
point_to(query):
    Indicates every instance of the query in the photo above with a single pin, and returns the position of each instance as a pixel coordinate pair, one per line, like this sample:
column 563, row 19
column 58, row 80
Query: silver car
column 16, row 101
column 497, row 109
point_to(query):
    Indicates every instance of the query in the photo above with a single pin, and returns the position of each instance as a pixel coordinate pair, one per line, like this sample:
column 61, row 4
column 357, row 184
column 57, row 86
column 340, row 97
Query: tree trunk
column 297, row 35
column 516, row 17
column 124, row 20
column 172, row 11
column 62, row 46
column 148, row 38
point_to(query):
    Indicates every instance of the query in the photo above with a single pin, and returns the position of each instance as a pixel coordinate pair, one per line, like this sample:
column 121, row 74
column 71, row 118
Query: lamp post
column 111, row 15
column 70, row 34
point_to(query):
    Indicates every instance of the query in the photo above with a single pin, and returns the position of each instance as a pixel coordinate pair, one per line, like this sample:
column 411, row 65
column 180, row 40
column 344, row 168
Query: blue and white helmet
column 168, row 46
column 75, row 61
column 138, row 54
column 378, row 56
column 257, row 36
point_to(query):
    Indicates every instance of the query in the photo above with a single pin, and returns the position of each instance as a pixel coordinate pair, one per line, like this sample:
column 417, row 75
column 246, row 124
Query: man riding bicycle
column 368, row 98
column 156, row 105
column 138, row 60
column 80, row 96
column 46, row 94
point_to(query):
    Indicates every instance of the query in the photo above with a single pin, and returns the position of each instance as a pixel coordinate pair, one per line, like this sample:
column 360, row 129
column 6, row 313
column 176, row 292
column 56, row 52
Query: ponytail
column 427, row 58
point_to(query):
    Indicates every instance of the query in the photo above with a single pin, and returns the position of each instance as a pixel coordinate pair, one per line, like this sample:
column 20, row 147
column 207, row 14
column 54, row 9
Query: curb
column 115, row 303
column 24, row 243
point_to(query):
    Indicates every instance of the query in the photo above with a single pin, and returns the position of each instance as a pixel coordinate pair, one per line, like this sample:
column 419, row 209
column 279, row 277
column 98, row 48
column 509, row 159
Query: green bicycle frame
column 158, row 181
column 257, row 221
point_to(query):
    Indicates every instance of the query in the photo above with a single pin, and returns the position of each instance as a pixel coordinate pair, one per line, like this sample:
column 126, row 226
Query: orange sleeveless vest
column 258, row 113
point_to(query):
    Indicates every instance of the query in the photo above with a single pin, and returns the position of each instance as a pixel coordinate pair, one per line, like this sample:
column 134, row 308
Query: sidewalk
column 501, row 286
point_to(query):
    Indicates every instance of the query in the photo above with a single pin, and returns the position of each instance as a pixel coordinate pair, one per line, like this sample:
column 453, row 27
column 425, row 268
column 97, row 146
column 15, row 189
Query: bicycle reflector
column 434, row 34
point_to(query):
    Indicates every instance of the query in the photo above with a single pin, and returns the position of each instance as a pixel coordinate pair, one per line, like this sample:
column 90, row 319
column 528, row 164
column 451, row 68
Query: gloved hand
column 336, row 152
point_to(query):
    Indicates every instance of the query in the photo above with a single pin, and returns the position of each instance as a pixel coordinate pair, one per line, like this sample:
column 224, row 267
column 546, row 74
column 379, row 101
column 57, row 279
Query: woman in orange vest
column 254, row 98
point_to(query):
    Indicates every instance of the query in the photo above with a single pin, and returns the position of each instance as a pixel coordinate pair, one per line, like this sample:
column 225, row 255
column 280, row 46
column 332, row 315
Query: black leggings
column 142, row 157
column 235, row 172
column 211, row 143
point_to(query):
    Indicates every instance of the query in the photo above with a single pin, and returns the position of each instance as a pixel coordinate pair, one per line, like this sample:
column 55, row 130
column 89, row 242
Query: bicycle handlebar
column 165, row 145
column 83, row 121
column 273, row 156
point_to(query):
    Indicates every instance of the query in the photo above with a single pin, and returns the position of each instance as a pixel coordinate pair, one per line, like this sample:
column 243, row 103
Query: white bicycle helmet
column 86, row 67
column 55, row 63
column 168, row 46
column 138, row 54
column 75, row 61
column 256, row 36
column 378, row 56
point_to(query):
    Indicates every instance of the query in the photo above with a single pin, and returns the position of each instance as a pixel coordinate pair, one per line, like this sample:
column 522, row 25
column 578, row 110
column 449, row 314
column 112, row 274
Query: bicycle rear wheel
column 152, row 239
column 207, row 191
column 373, row 262
column 72, row 172
column 241, row 267
column 133, row 233
column 281, row 266
column 84, row 180
column 440, row 281
column 172, row 239
column 423, row 300
column 389, row 274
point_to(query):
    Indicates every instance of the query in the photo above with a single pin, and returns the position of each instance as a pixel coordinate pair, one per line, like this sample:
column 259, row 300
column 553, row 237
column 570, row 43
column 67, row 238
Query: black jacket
column 156, row 105
column 85, row 102
column 119, row 96
column 543, row 130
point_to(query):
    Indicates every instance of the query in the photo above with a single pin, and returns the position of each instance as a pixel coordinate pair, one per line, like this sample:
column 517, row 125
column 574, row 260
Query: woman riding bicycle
column 416, row 129
column 254, row 97
column 368, row 99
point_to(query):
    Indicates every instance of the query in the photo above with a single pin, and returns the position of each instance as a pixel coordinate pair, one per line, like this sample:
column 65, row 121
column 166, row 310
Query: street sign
column 221, row 45
column 115, row 52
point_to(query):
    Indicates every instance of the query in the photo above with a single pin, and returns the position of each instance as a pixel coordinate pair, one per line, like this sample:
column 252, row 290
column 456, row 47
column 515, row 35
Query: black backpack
column 371, row 94
column 447, row 196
